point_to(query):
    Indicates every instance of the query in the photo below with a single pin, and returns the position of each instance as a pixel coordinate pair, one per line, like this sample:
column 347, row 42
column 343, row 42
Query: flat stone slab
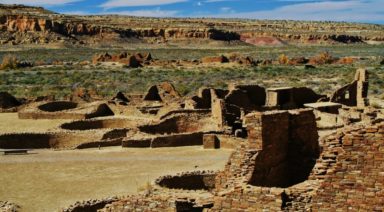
column 279, row 89
column 323, row 105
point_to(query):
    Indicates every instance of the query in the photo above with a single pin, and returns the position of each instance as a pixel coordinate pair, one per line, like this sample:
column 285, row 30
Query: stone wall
column 354, row 93
column 199, row 112
column 99, row 124
column 57, row 106
column 303, row 95
column 58, row 140
column 197, row 180
column 7, row 101
column 180, row 123
column 355, row 181
column 175, row 140
column 218, row 110
column 163, row 92
column 348, row 176
column 287, row 143
column 186, row 139
column 86, row 111
column 246, row 96
column 25, row 140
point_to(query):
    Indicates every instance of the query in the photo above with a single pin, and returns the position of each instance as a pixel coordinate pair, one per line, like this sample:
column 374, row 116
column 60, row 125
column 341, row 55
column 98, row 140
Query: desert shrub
column 346, row 60
column 297, row 61
column 57, row 62
column 84, row 63
column 40, row 63
column 9, row 62
column 322, row 58
column 283, row 59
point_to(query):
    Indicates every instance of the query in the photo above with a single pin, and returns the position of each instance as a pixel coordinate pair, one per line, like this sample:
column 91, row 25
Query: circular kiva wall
column 57, row 106
column 45, row 140
column 99, row 124
column 199, row 180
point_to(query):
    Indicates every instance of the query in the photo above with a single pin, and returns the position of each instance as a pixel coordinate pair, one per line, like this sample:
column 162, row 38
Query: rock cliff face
column 19, row 24
column 23, row 25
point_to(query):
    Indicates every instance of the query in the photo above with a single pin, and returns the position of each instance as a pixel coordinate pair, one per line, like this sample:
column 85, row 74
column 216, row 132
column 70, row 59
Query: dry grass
column 50, row 180
column 9, row 62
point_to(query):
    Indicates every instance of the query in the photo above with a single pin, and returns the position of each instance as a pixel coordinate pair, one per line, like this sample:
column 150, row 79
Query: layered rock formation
column 25, row 25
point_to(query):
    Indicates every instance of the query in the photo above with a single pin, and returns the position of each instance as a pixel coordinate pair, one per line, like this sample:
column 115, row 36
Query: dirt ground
column 48, row 180
column 10, row 123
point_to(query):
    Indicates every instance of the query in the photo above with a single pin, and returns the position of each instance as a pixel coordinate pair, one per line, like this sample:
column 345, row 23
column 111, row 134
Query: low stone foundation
column 198, row 180
column 61, row 140
column 185, row 139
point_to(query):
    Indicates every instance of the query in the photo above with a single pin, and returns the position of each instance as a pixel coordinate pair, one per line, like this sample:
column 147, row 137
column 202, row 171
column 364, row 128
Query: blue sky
column 369, row 11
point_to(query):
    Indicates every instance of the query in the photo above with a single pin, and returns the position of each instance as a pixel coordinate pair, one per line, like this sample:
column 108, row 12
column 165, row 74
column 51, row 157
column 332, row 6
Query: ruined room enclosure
column 101, row 123
column 184, row 121
column 57, row 106
column 63, row 139
column 277, row 152
column 64, row 110
column 322, row 180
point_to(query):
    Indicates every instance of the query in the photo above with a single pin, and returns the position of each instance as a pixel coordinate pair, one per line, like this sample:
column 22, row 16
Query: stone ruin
column 290, row 170
column 161, row 117
column 354, row 93
column 8, row 103
column 278, row 161
column 163, row 92
column 131, row 60
column 64, row 110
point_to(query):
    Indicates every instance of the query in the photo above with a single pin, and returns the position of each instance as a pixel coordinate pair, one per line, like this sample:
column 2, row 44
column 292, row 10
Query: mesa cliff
column 33, row 25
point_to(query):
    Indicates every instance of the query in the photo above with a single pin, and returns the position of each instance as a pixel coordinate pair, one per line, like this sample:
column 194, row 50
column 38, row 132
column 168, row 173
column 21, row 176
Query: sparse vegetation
column 283, row 59
column 9, row 62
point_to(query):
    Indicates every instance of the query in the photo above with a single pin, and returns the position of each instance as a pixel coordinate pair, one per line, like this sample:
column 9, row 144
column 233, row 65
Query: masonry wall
column 198, row 180
column 348, row 176
column 98, row 124
column 57, row 106
column 175, row 140
column 60, row 140
column 287, row 142
column 356, row 182
column 25, row 141
column 88, row 111
column 187, row 139
column 180, row 123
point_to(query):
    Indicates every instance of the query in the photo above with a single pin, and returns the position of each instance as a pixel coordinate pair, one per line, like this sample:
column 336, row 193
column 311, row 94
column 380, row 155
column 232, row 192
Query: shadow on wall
column 57, row 106
column 59, row 140
column 287, row 143
column 199, row 180
column 180, row 123
column 98, row 124
column 25, row 141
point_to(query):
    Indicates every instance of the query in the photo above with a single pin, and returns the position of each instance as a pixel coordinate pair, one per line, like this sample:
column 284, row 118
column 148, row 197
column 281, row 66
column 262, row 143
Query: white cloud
column 38, row 2
column 227, row 10
column 147, row 13
column 131, row 3
column 348, row 10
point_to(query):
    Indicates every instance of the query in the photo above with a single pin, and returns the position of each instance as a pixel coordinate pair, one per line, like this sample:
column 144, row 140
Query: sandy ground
column 10, row 123
column 48, row 180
